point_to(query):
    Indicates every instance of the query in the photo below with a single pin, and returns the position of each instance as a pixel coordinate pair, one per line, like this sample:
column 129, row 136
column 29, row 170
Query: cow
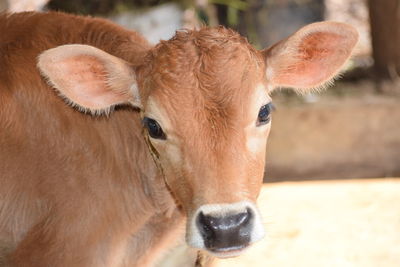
column 111, row 148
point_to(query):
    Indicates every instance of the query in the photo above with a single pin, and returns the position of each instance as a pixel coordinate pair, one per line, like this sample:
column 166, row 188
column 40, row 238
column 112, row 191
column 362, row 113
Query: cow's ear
column 89, row 78
column 311, row 57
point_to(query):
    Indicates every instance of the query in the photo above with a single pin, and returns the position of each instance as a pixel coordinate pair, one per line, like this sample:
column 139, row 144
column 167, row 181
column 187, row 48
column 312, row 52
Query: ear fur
column 89, row 78
column 311, row 57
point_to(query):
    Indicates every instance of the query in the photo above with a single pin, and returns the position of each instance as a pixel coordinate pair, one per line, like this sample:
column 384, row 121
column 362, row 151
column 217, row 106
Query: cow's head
column 204, row 97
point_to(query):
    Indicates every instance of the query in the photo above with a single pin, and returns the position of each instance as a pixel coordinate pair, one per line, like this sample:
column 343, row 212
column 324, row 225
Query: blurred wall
column 157, row 23
column 22, row 5
column 356, row 137
column 266, row 22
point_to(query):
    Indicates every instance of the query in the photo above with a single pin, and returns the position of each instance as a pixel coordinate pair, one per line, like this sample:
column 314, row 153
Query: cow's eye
column 264, row 115
column 154, row 129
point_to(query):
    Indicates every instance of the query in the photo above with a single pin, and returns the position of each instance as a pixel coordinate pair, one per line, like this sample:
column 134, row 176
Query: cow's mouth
column 228, row 252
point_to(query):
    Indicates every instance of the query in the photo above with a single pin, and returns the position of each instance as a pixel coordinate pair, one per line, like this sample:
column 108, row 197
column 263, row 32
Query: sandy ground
column 333, row 223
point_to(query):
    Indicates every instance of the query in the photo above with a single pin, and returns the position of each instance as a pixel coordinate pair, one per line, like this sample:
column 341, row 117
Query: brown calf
column 79, row 185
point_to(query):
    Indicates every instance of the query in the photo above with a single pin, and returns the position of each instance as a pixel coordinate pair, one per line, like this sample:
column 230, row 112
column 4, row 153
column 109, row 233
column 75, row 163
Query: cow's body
column 84, row 190
column 66, row 172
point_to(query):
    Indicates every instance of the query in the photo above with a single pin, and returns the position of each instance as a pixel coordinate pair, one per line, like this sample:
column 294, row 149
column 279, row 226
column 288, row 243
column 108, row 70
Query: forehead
column 212, row 64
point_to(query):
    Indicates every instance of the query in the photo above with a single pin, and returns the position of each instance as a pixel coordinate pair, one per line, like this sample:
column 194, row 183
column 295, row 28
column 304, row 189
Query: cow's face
column 208, row 114
column 204, row 100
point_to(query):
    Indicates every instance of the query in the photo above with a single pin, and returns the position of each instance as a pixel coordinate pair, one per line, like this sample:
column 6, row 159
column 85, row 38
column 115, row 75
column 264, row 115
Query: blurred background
column 340, row 148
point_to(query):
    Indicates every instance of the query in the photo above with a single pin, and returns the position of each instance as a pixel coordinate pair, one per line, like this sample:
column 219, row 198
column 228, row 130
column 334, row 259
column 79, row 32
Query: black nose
column 224, row 233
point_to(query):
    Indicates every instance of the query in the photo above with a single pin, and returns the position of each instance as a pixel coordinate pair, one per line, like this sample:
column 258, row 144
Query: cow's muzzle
column 225, row 230
column 222, row 233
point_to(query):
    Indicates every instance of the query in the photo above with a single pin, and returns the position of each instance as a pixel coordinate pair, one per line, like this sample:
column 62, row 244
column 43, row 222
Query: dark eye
column 264, row 115
column 154, row 128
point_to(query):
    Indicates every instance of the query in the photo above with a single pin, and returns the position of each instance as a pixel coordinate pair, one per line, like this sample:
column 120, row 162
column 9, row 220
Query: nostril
column 242, row 218
column 206, row 225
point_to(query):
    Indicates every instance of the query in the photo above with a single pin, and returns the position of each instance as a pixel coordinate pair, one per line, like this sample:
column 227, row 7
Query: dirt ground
column 331, row 224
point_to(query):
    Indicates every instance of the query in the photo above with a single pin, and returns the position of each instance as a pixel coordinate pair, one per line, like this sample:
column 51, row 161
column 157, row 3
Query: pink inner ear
column 318, row 45
column 85, row 82
column 319, row 56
